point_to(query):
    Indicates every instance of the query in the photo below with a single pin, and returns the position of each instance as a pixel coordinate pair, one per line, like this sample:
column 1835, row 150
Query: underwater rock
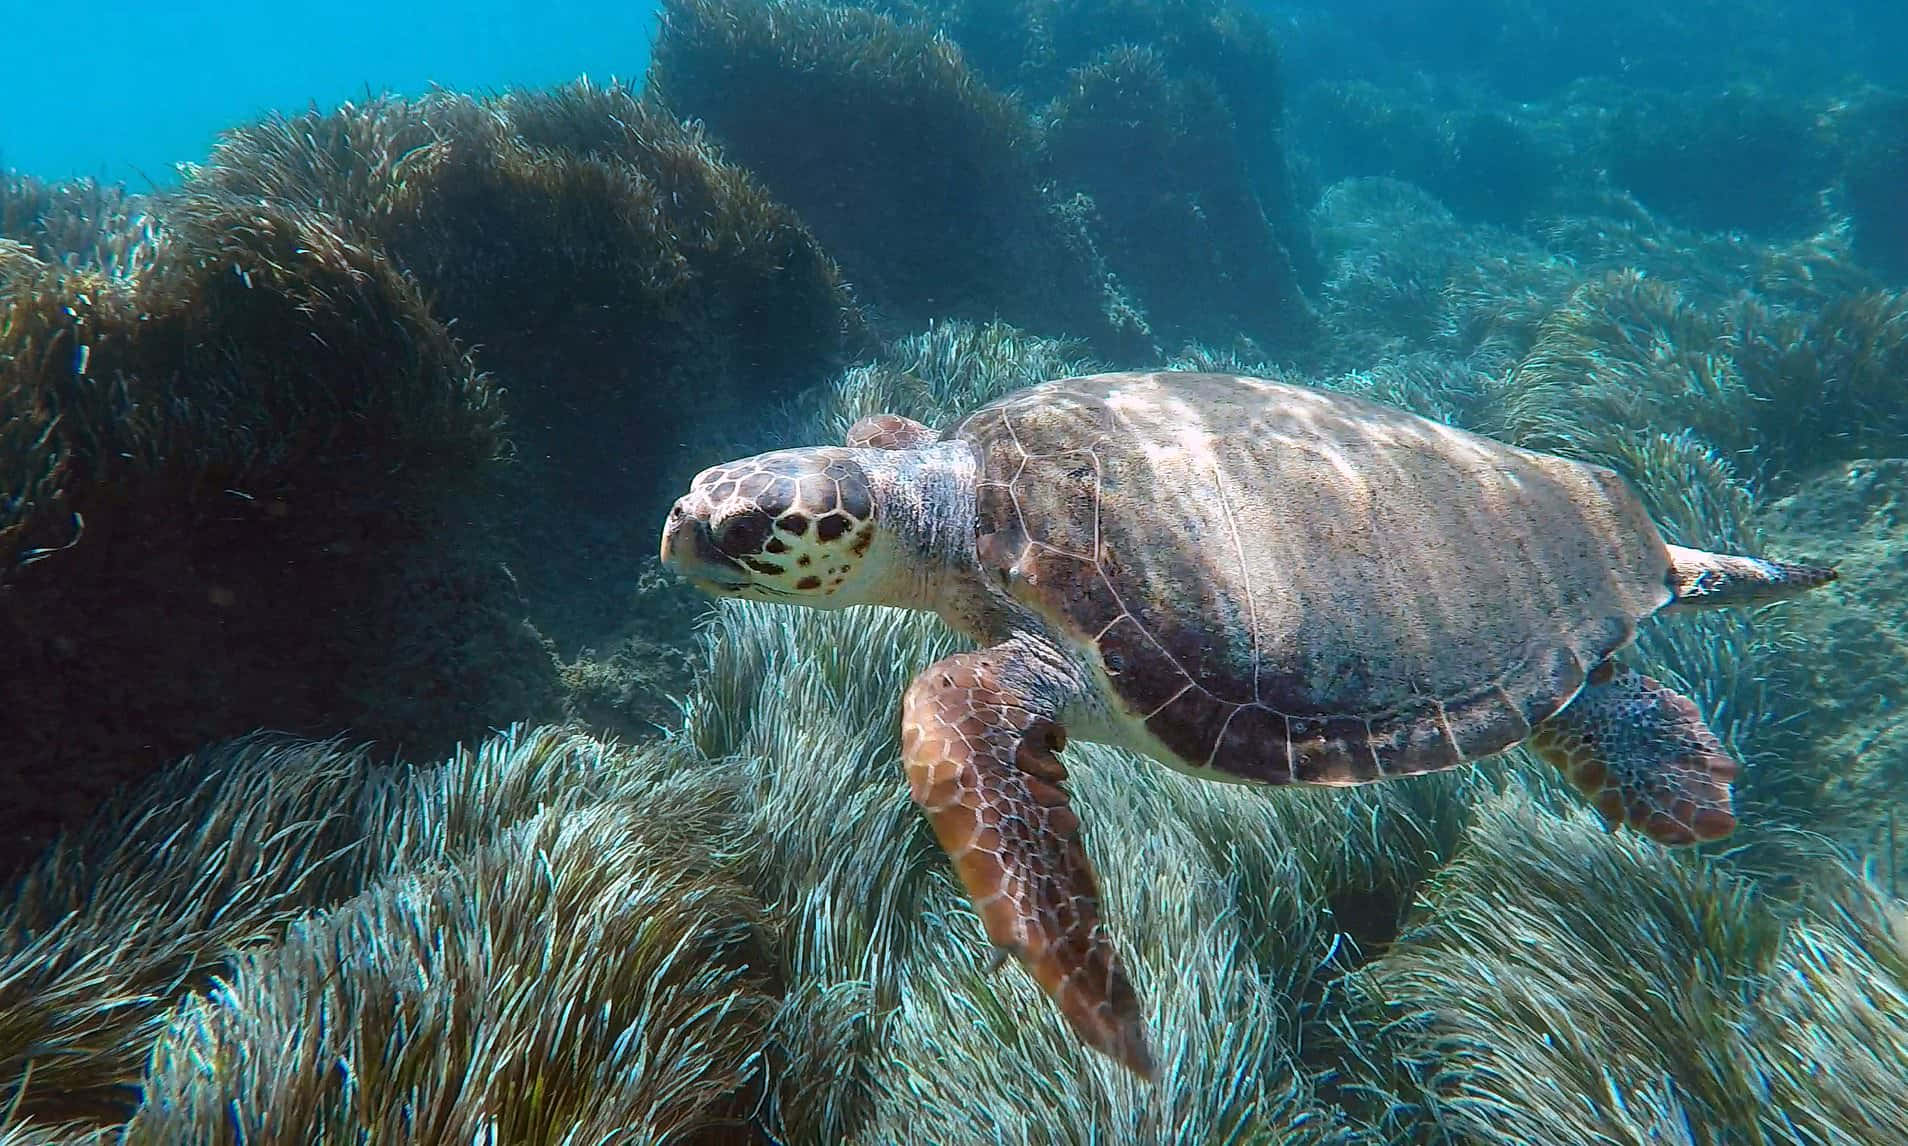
column 224, row 472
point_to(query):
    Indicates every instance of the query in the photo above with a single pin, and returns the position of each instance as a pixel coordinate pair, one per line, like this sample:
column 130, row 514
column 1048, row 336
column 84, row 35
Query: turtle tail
column 1719, row 580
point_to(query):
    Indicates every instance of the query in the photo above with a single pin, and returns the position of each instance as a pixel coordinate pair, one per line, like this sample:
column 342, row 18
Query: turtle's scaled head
column 792, row 525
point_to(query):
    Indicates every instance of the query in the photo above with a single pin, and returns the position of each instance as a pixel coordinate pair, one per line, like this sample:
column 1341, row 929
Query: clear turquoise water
column 125, row 90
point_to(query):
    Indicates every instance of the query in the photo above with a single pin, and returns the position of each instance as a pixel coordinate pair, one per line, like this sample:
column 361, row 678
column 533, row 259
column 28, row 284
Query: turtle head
column 792, row 525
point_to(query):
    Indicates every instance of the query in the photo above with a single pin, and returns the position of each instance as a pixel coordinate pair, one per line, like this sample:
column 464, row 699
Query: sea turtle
column 1246, row 580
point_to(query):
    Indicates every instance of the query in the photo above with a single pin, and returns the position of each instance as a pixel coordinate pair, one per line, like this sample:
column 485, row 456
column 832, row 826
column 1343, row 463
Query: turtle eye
column 743, row 533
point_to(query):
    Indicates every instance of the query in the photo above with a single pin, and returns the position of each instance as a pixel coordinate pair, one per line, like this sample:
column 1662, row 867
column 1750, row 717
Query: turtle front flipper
column 1642, row 754
column 978, row 739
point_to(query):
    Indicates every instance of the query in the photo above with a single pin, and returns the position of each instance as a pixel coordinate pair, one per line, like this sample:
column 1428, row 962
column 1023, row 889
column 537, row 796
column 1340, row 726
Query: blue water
column 126, row 90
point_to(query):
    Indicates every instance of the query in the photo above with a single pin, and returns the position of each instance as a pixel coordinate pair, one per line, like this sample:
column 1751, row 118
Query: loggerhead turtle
column 1243, row 579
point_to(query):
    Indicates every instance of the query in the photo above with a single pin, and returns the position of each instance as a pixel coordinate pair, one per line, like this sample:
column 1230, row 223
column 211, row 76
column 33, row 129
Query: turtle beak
column 688, row 549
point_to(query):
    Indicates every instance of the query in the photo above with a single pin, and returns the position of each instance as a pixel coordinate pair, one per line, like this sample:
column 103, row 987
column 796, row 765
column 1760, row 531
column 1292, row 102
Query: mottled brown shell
column 1291, row 584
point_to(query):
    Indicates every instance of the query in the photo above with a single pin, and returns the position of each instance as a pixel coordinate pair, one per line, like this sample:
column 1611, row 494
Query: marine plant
column 1847, row 758
column 1624, row 351
column 1405, row 276
column 220, row 853
column 95, row 403
column 1604, row 232
column 1562, row 985
column 589, row 975
column 1787, row 386
column 81, row 223
column 935, row 375
column 129, row 912
column 1827, row 378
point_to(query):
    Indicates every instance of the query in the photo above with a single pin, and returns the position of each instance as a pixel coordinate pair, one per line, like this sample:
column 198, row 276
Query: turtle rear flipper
column 1642, row 754
column 1719, row 580
column 979, row 754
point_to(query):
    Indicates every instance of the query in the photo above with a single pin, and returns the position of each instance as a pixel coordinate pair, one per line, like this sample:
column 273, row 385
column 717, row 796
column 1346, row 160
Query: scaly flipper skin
column 1717, row 580
column 889, row 432
column 979, row 757
column 1642, row 754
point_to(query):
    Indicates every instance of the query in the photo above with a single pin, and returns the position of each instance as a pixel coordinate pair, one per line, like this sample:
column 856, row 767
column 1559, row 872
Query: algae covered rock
column 1871, row 133
column 1743, row 159
column 635, row 294
column 1172, row 205
column 253, row 480
column 220, row 472
column 921, row 178
column 1483, row 163
column 606, row 260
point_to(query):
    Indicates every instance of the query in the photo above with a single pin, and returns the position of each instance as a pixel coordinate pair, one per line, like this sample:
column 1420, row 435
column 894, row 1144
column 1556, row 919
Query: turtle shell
column 1288, row 584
